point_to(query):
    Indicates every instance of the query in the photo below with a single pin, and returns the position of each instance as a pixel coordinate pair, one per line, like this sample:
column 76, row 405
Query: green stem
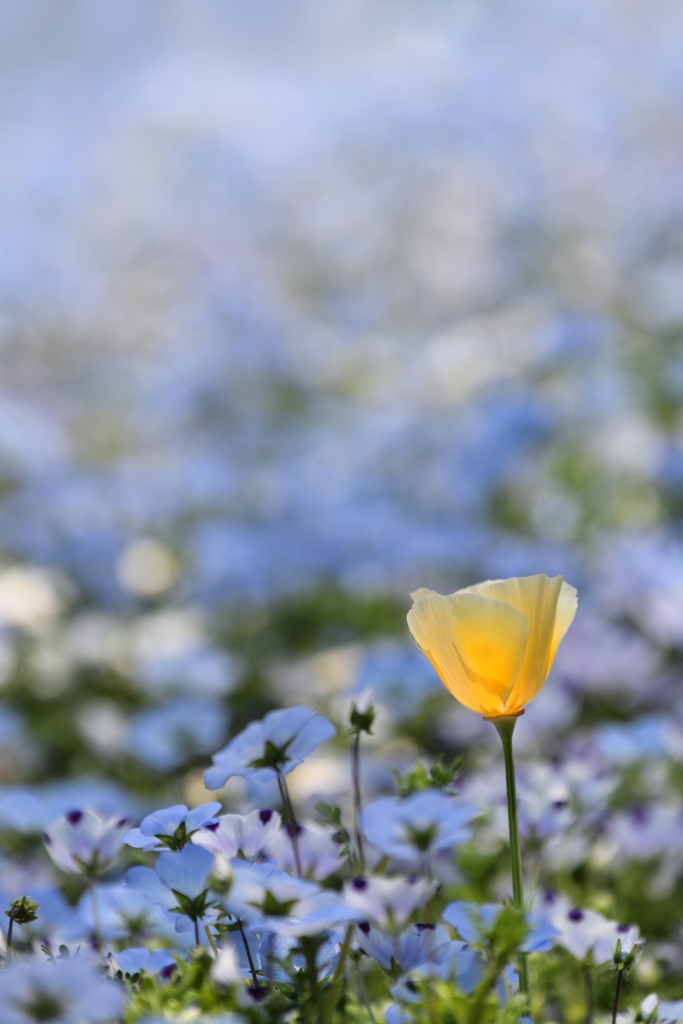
column 9, row 939
column 95, row 916
column 588, row 982
column 615, row 1006
column 291, row 822
column 505, row 726
column 312, row 972
column 357, row 802
column 334, row 991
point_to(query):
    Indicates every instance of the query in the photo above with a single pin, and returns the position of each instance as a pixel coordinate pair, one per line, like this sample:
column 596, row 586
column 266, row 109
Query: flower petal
column 537, row 598
column 475, row 644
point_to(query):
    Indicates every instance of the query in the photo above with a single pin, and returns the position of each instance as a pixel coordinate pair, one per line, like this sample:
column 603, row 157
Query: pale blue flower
column 170, row 828
column 72, row 988
column 180, row 883
column 271, row 748
column 418, row 945
column 135, row 961
column 165, row 737
column 121, row 912
column 425, row 822
column 472, row 921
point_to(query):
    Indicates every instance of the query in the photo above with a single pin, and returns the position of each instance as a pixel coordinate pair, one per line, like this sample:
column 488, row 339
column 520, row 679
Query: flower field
column 303, row 311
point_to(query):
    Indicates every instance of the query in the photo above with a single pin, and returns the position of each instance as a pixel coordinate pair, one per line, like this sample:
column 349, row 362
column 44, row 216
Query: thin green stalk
column 357, row 801
column 249, row 956
column 505, row 726
column 291, row 822
column 9, row 939
column 615, row 1006
column 334, row 991
column 588, row 983
column 312, row 972
column 95, row 915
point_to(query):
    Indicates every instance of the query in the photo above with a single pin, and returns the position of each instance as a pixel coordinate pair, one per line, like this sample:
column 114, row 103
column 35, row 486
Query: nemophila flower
column 165, row 737
column 423, row 823
column 271, row 748
column 406, row 951
column 313, row 915
column 318, row 851
column 474, row 921
column 493, row 644
column 83, row 843
column 643, row 833
column 388, row 901
column 170, row 828
column 131, row 963
column 67, row 992
column 121, row 913
column 587, row 935
column 180, row 883
column 668, row 1011
column 256, row 890
column 280, row 954
column 267, row 899
column 234, row 835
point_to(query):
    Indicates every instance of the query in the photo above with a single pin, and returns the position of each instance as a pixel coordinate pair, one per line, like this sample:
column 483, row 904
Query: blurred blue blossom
column 165, row 737
column 270, row 748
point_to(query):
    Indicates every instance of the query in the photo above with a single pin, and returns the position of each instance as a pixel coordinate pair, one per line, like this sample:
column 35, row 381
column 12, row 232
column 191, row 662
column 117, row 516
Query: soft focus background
column 303, row 306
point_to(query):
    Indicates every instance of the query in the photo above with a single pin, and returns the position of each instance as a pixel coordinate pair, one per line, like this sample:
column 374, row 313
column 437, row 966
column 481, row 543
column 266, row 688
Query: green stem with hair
column 505, row 726
column 291, row 821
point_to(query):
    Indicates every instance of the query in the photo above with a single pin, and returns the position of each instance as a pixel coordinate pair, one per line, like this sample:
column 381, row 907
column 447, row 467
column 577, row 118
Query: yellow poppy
column 493, row 644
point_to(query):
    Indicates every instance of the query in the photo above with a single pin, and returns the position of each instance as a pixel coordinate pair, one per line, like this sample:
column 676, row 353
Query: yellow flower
column 493, row 644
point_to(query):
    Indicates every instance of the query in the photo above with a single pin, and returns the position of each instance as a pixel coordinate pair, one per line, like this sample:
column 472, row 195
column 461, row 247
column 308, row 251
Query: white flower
column 587, row 935
column 271, row 748
column 388, row 901
column 233, row 834
column 82, row 842
column 318, row 851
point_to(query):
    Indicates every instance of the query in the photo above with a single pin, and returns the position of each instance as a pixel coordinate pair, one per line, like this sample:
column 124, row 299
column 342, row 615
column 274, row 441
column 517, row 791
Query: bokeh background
column 303, row 306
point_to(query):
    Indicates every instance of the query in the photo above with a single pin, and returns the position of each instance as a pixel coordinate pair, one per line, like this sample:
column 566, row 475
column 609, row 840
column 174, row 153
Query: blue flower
column 180, row 883
column 472, row 921
column 136, row 961
column 271, row 748
column 165, row 737
column 72, row 989
column 419, row 945
column 423, row 823
column 170, row 828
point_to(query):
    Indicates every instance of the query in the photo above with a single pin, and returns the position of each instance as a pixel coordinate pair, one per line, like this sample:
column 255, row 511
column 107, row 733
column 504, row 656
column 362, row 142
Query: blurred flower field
column 300, row 311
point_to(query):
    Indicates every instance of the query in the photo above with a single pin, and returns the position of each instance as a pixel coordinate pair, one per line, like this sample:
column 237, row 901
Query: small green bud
column 22, row 910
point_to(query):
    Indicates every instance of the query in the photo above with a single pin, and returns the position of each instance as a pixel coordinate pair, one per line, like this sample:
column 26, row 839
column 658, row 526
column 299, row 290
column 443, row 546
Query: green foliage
column 439, row 776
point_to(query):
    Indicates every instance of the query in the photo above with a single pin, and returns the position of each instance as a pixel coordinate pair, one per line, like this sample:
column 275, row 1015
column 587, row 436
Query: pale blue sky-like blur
column 384, row 292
